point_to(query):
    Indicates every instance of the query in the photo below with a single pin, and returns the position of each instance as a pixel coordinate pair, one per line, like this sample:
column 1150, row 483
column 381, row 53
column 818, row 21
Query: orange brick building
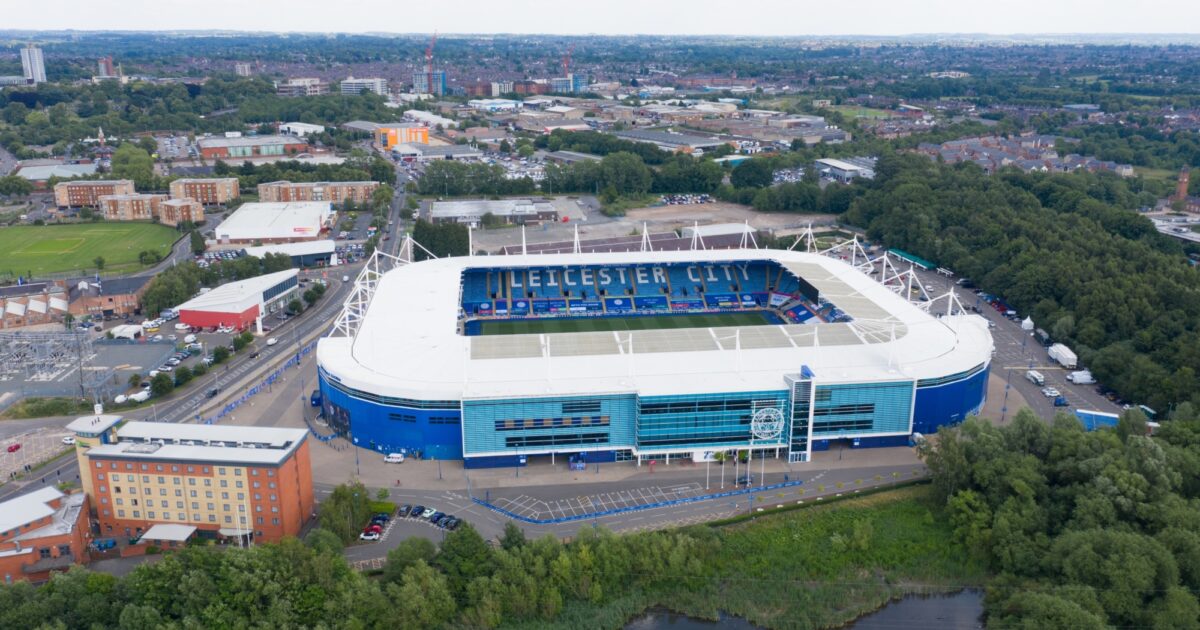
column 336, row 192
column 227, row 481
column 87, row 193
column 176, row 211
column 208, row 191
column 135, row 207
column 42, row 532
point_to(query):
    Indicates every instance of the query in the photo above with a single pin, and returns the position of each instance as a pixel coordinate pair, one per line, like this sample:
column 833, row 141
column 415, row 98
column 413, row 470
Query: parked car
column 381, row 516
column 745, row 480
column 436, row 516
column 372, row 528
column 372, row 536
column 404, row 510
column 394, row 458
column 426, row 514
column 451, row 523
column 13, row 448
column 68, row 440
column 417, row 511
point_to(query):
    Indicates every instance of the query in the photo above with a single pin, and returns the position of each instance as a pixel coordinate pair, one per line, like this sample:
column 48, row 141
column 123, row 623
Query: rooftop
column 235, row 292
column 94, row 424
column 285, row 219
column 65, row 517
column 247, row 141
column 480, row 207
column 171, row 532
column 408, row 345
column 27, row 508
column 304, row 248
column 202, row 443
column 61, row 171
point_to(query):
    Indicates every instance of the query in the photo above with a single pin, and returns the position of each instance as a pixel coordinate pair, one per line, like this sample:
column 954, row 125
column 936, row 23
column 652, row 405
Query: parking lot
column 30, row 449
column 539, row 509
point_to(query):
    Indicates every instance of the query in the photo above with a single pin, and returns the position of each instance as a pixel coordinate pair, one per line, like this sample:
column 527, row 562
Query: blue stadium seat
column 788, row 283
column 681, row 284
column 758, row 281
column 475, row 287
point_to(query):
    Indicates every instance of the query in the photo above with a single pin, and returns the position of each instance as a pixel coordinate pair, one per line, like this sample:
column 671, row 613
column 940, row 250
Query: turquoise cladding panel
column 533, row 425
column 862, row 409
column 702, row 421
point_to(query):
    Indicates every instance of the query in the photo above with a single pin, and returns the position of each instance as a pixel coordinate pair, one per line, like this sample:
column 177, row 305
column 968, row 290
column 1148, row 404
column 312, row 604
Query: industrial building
column 352, row 86
column 33, row 65
column 846, row 169
column 429, row 153
column 276, row 222
column 32, row 303
column 511, row 211
column 40, row 174
column 307, row 254
column 392, row 134
column 429, row 119
column 42, row 532
column 671, row 141
column 301, row 87
column 249, row 147
column 80, row 194
column 838, row 360
column 214, row 482
column 242, row 303
column 109, row 297
column 335, row 192
column 300, row 129
column 207, row 191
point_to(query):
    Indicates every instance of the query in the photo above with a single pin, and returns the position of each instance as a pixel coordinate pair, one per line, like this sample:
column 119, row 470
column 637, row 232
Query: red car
column 372, row 529
column 13, row 448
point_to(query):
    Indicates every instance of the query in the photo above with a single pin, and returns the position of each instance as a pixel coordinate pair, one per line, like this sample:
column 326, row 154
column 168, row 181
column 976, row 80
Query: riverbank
column 818, row 567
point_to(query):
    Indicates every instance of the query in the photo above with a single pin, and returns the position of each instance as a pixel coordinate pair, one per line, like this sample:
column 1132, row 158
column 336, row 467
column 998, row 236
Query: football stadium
column 642, row 355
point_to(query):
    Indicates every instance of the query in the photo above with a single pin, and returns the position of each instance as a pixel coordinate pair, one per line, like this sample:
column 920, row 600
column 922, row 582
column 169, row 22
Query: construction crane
column 566, row 62
column 429, row 55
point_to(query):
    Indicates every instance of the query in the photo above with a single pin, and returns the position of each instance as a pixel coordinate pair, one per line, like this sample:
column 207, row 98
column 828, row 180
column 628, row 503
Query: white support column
column 523, row 250
column 470, row 240
column 577, row 249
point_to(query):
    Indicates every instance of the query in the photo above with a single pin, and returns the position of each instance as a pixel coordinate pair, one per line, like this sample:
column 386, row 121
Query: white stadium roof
column 407, row 345
column 303, row 248
column 277, row 220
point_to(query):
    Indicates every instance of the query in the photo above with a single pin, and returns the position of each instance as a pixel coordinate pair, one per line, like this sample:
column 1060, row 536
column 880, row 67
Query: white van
column 394, row 458
column 141, row 396
column 1036, row 378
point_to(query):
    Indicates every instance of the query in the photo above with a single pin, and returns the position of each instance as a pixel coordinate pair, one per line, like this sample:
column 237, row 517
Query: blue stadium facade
column 877, row 401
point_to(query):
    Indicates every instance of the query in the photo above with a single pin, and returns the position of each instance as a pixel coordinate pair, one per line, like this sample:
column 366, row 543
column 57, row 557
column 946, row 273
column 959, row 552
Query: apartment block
column 87, row 193
column 226, row 482
column 135, row 207
column 207, row 191
column 172, row 212
column 335, row 192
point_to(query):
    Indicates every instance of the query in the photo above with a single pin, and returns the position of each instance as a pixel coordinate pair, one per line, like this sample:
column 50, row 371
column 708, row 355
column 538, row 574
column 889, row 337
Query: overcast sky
column 734, row 17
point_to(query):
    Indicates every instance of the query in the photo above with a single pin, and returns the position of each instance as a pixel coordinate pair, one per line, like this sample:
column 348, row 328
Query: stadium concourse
column 642, row 355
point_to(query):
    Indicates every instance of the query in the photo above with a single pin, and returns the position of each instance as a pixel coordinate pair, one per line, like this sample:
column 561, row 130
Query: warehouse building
column 392, row 134
column 208, row 191
column 300, row 129
column 671, row 141
column 307, row 254
column 846, row 169
column 428, row 153
column 253, row 146
column 241, row 304
column 170, row 482
column 510, row 211
column 276, row 222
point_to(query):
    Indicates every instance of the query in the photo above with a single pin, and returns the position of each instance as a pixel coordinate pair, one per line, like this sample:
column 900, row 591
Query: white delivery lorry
column 1063, row 356
column 1082, row 377
column 1036, row 378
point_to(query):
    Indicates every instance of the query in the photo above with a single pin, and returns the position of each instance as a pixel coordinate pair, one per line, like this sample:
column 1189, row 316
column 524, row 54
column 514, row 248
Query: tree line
column 1080, row 529
column 179, row 283
column 358, row 167
column 1065, row 249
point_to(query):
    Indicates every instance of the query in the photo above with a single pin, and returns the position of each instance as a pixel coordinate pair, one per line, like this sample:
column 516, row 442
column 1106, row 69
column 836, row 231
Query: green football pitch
column 637, row 322
column 60, row 248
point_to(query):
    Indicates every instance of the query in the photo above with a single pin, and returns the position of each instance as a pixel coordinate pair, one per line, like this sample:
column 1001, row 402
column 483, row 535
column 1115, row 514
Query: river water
column 953, row 611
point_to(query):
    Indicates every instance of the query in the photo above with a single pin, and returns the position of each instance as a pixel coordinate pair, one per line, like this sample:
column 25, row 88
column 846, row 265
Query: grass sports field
column 635, row 322
column 54, row 248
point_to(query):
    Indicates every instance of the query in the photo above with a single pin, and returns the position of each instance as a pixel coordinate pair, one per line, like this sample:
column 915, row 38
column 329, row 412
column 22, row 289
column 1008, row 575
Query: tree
column 295, row 306
column 240, row 342
column 753, row 173
column 183, row 374
column 220, row 354
column 324, row 541
column 197, row 242
column 464, row 557
column 513, row 537
column 423, row 598
column 135, row 380
column 505, row 147
column 409, row 552
column 162, row 384
column 147, row 144
column 130, row 161
column 99, row 262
